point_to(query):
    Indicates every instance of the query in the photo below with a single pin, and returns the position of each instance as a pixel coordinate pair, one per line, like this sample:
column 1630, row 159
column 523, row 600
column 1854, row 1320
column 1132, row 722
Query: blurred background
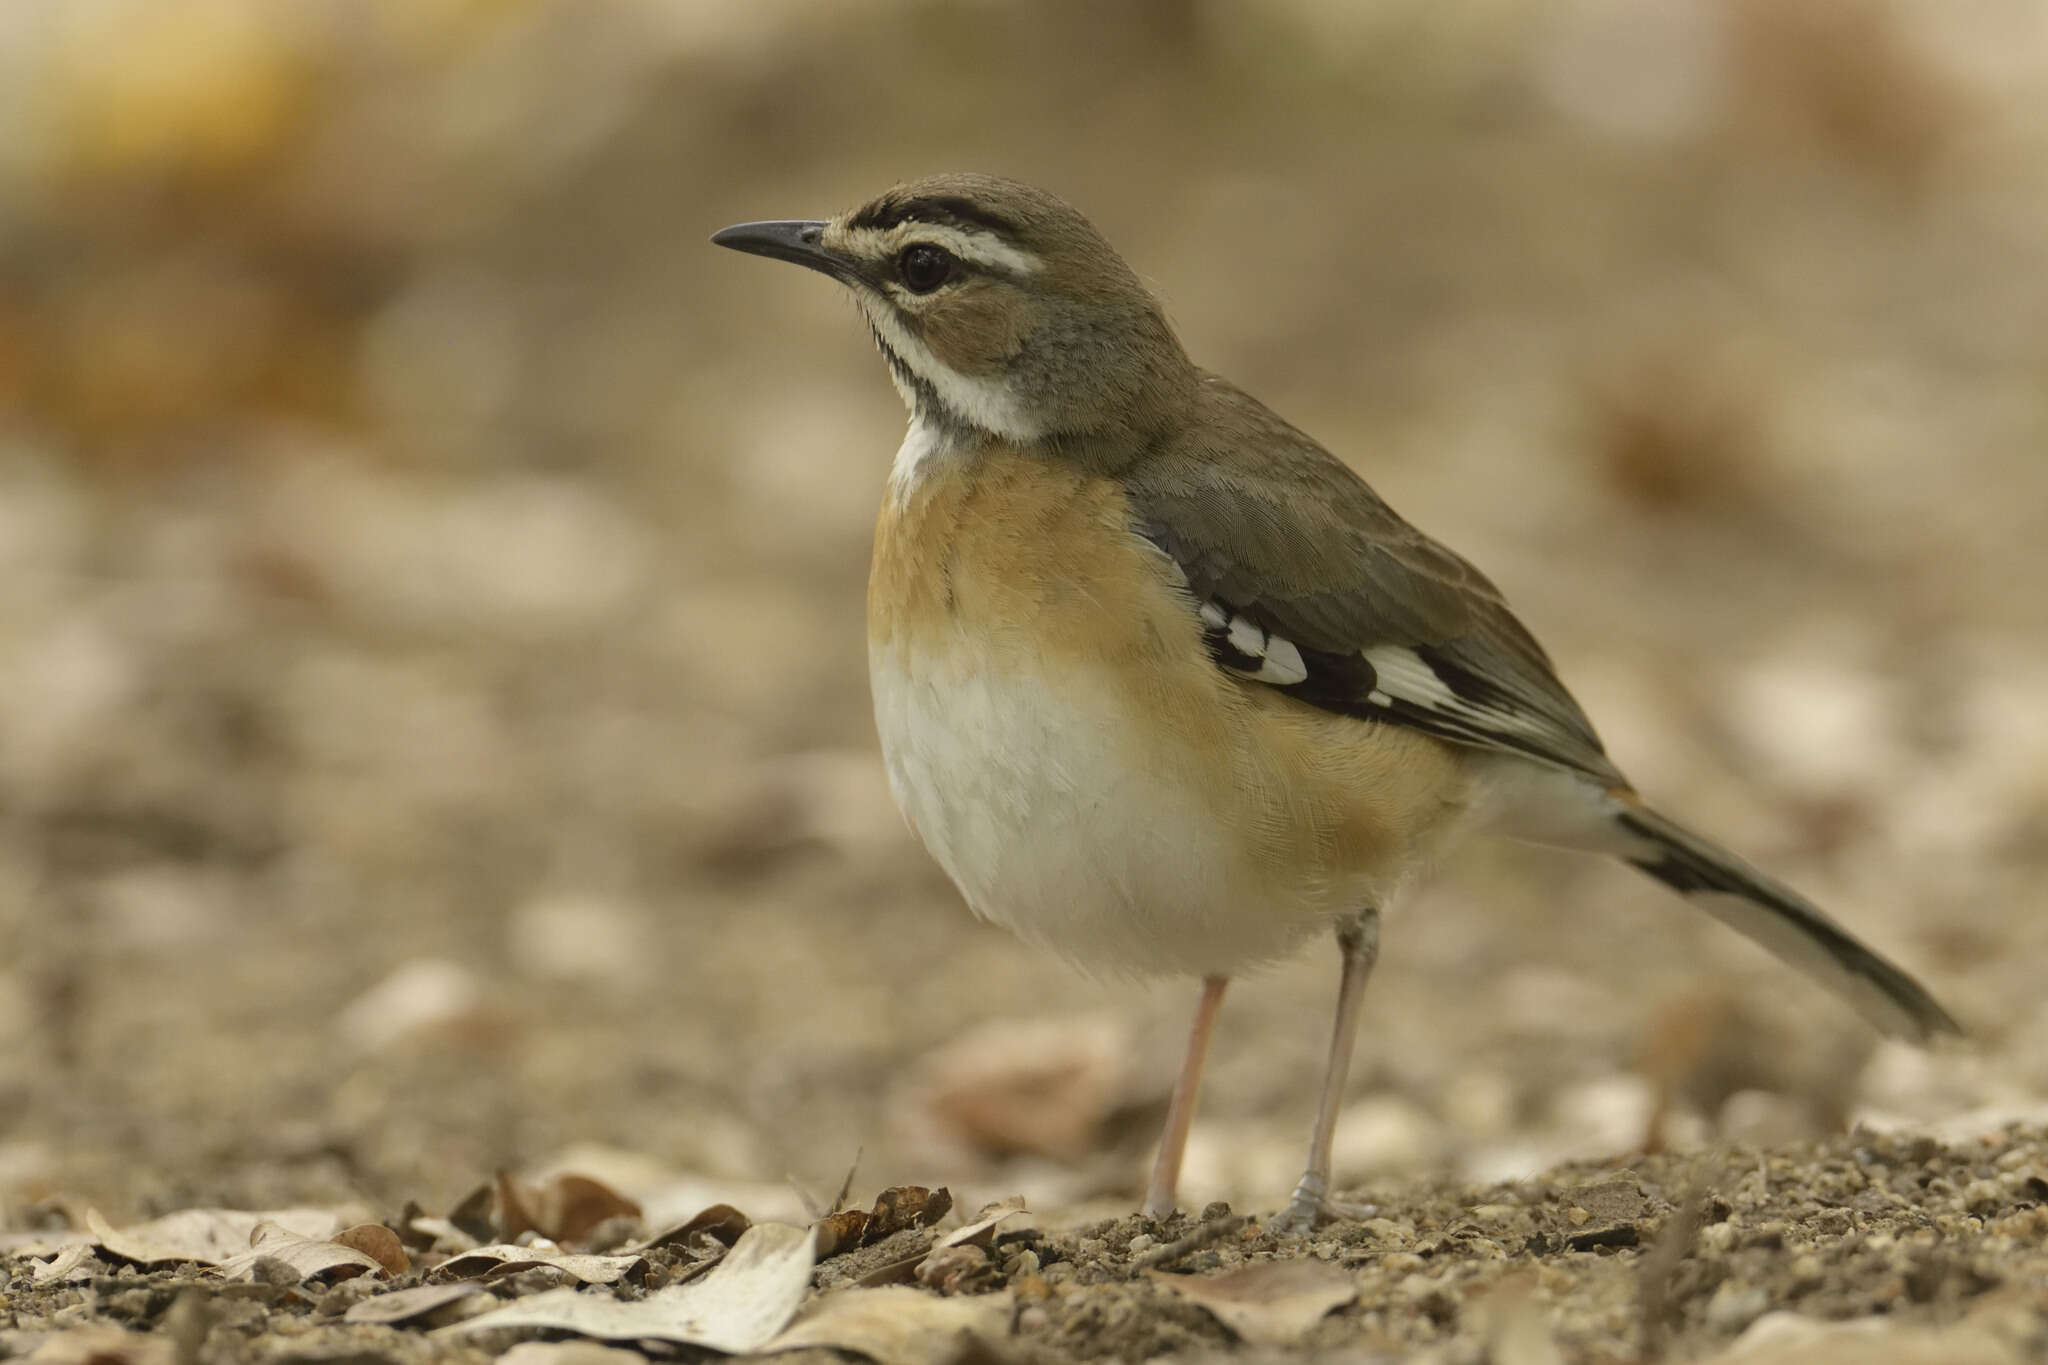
column 433, row 721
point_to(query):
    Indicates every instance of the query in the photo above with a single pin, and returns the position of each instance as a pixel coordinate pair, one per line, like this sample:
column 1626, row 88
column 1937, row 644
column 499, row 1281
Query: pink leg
column 1180, row 1113
column 1359, row 941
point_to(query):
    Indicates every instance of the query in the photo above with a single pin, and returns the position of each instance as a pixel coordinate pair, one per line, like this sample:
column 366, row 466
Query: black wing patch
column 1423, row 687
column 1322, row 678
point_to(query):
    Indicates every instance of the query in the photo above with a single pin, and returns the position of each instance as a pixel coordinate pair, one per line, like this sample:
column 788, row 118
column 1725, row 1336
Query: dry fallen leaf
column 982, row 1231
column 1268, row 1303
column 207, row 1236
column 310, row 1258
column 379, row 1243
column 897, row 1208
column 839, row 1232
column 738, row 1307
column 407, row 1305
column 44, row 1243
column 414, row 1238
column 511, row 1210
column 721, row 1222
column 570, row 1207
column 897, row 1326
column 564, row 1207
column 907, row 1206
column 500, row 1259
column 473, row 1215
column 901, row 1271
column 62, row 1264
column 666, row 1193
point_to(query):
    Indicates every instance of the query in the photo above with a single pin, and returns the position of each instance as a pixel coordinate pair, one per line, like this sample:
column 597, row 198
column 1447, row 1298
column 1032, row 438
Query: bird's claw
column 1312, row 1206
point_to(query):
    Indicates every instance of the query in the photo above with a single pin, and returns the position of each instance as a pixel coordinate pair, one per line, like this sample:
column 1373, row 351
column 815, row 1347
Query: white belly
column 1055, row 826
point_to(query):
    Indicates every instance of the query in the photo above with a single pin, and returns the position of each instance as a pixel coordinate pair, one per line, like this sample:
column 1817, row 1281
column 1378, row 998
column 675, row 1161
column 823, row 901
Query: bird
column 1163, row 685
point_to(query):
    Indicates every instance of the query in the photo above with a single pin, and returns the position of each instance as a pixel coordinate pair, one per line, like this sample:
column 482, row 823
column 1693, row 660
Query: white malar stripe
column 985, row 403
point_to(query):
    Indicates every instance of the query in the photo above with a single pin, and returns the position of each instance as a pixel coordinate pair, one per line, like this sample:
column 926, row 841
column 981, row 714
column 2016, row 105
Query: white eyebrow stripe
column 980, row 248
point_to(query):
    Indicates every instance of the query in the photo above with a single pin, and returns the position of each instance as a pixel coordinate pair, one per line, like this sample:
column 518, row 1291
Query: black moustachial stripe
column 927, row 396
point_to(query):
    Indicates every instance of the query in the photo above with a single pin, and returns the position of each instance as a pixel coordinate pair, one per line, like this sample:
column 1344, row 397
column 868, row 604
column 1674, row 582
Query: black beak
column 793, row 239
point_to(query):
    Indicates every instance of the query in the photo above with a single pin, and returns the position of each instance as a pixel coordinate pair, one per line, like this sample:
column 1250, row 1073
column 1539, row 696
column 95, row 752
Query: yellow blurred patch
column 204, row 86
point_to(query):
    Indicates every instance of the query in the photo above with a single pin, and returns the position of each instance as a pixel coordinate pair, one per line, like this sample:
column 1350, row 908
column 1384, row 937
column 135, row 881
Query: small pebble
column 1980, row 1195
column 1735, row 1306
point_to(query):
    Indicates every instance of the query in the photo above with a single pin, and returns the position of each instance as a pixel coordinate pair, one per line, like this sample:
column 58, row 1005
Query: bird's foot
column 1312, row 1206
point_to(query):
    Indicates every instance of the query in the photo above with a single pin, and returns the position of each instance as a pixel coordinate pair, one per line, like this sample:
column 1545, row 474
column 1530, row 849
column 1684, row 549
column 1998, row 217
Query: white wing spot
column 1280, row 663
column 1247, row 638
column 1403, row 674
column 1283, row 663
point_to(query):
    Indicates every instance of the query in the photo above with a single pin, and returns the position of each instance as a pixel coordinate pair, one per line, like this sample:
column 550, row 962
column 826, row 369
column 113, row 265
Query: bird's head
column 1001, row 310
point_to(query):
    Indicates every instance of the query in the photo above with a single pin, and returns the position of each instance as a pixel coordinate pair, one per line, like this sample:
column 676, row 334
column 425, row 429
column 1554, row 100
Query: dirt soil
column 1606, row 1262
column 434, row 739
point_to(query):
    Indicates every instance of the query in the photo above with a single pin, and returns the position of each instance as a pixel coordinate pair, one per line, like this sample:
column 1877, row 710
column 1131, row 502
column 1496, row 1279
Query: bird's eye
column 925, row 267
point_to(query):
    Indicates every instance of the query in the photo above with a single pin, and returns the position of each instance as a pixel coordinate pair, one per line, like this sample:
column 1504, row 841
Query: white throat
column 925, row 446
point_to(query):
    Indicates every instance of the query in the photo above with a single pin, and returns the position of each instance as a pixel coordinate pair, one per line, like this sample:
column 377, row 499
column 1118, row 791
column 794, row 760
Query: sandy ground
column 433, row 730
